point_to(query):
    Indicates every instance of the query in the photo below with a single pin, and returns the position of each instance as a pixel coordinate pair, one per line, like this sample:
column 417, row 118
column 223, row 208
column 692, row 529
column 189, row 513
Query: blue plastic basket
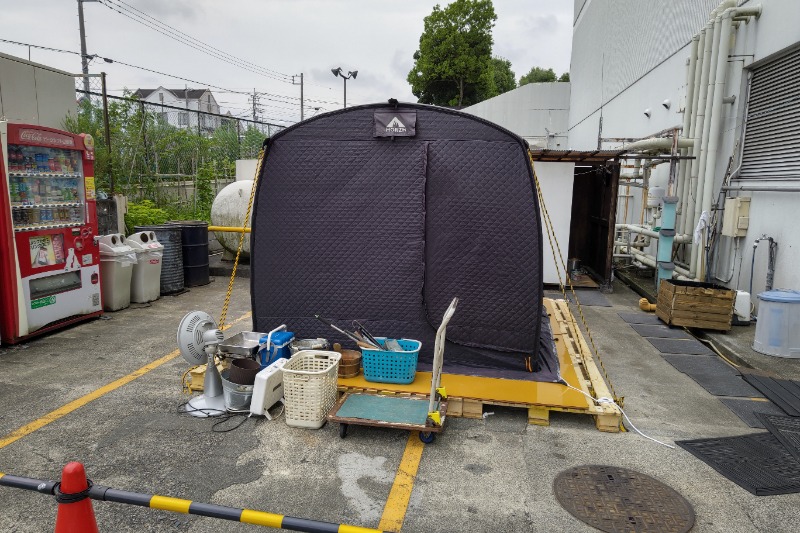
column 391, row 367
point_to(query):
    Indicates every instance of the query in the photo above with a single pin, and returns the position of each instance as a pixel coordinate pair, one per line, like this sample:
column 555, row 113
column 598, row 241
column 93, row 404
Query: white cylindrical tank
column 228, row 209
column 655, row 196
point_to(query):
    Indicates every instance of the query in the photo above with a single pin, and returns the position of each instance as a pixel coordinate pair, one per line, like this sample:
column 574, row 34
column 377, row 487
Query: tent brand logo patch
column 395, row 123
column 395, row 126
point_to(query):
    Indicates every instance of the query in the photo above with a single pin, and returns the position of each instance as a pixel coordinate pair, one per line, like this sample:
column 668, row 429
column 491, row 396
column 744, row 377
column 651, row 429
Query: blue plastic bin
column 391, row 367
column 278, row 348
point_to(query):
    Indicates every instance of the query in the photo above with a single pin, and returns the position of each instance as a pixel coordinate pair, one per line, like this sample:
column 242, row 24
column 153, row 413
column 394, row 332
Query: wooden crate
column 695, row 304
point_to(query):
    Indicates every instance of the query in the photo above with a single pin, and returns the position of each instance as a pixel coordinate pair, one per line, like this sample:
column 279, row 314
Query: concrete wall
column 630, row 55
column 246, row 169
column 31, row 93
column 537, row 112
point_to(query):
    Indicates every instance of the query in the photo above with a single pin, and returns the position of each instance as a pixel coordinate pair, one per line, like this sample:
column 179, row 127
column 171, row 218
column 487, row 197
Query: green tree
column 455, row 53
column 538, row 75
column 564, row 77
column 498, row 79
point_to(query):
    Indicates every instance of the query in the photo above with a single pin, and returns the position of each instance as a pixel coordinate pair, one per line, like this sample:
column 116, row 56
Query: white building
column 179, row 107
column 31, row 93
column 632, row 64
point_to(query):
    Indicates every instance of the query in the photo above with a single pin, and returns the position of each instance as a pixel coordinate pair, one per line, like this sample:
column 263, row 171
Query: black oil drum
column 169, row 236
column 194, row 236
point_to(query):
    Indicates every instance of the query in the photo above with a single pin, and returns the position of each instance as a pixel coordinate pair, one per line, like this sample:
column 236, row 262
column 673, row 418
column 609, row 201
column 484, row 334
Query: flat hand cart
column 423, row 414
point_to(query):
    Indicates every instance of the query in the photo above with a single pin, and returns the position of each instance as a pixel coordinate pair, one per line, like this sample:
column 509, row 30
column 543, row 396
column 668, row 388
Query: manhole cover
column 615, row 499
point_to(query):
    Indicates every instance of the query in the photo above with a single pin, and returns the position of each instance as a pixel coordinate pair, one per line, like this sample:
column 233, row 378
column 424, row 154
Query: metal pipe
column 760, row 188
column 229, row 228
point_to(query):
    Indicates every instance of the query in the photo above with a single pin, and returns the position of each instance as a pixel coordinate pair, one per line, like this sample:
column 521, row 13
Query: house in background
column 193, row 103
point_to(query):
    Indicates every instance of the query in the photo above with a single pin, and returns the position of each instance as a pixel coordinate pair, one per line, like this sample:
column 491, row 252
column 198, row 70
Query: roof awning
column 575, row 156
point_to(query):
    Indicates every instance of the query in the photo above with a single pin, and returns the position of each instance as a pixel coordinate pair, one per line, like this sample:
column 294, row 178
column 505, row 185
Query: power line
column 201, row 42
column 191, row 42
column 40, row 47
column 278, row 98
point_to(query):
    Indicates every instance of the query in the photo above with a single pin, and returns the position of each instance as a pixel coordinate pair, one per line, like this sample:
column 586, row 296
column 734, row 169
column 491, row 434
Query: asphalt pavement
column 494, row 474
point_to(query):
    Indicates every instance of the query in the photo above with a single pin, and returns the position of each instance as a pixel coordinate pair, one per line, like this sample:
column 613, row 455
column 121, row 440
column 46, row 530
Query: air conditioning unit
column 268, row 389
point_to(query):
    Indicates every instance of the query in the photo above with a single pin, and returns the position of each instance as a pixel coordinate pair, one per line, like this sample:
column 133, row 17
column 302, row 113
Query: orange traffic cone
column 75, row 513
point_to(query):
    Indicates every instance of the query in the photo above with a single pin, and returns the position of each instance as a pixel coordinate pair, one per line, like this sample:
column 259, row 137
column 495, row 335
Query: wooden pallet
column 467, row 395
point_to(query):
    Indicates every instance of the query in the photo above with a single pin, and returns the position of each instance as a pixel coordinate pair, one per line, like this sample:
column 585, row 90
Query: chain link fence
column 172, row 158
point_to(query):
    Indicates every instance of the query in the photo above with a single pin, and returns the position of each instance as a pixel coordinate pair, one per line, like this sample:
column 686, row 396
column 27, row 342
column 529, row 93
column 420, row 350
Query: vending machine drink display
column 49, row 260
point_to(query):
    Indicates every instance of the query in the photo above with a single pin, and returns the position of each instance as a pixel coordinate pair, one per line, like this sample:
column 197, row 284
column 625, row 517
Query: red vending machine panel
column 49, row 261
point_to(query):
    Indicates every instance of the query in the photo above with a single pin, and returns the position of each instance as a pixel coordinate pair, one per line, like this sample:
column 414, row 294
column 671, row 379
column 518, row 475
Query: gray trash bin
column 117, row 261
column 146, row 280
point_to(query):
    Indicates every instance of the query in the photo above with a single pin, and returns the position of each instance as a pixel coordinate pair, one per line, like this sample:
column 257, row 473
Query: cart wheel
column 427, row 438
column 342, row 430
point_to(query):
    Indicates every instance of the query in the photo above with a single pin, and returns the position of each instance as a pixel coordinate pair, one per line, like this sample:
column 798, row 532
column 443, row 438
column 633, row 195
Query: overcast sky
column 375, row 37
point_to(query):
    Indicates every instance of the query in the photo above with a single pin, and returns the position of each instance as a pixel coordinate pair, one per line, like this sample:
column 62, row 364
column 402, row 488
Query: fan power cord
column 603, row 400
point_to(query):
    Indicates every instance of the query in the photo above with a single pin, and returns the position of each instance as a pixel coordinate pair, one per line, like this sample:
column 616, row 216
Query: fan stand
column 211, row 403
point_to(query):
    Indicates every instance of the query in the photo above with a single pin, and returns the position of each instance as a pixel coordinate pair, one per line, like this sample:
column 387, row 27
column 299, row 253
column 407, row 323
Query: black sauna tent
column 383, row 213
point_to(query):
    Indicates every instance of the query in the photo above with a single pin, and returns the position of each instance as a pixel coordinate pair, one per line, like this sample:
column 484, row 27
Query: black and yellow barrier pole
column 179, row 505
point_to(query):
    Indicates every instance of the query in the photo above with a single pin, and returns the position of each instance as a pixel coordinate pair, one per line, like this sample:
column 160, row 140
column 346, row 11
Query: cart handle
column 282, row 327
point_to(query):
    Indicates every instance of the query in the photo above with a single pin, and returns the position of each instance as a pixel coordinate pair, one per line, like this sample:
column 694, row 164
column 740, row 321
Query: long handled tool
column 345, row 333
column 438, row 360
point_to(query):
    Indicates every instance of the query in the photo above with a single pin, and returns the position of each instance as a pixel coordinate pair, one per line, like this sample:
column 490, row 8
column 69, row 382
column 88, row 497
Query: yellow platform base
column 468, row 394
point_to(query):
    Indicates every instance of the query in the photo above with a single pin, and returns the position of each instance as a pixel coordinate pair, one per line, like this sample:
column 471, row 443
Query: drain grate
column 786, row 429
column 757, row 462
column 615, row 499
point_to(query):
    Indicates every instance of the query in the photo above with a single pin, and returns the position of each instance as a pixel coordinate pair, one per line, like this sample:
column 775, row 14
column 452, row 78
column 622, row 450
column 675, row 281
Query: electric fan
column 198, row 338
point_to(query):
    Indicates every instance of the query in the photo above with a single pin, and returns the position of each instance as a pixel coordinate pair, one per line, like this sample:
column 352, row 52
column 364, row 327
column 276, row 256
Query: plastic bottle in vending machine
column 14, row 190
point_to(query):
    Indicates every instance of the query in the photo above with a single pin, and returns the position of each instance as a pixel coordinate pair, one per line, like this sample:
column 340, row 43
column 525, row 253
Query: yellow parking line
column 394, row 512
column 64, row 410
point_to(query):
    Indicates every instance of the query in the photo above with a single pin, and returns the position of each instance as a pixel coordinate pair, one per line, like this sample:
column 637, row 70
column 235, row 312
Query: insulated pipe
column 687, row 209
column 690, row 218
column 658, row 144
column 700, row 113
column 714, row 133
column 701, row 167
column 714, row 123
column 633, row 228
column 650, row 261
column 687, row 120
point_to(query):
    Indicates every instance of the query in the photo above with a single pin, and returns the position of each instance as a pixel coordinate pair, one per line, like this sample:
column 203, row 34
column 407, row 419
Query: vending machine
column 49, row 260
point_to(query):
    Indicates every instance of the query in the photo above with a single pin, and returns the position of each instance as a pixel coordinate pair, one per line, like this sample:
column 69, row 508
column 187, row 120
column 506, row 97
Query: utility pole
column 302, row 114
column 255, row 105
column 107, row 132
column 186, row 104
column 84, row 53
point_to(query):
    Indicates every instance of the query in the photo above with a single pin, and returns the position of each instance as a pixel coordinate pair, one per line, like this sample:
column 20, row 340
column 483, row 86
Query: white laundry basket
column 309, row 387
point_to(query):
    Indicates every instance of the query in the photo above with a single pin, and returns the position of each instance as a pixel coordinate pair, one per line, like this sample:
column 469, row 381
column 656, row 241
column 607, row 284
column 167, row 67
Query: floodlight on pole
column 350, row 74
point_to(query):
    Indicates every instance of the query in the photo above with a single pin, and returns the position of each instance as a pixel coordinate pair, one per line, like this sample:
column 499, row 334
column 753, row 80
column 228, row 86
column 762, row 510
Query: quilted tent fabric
column 387, row 230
